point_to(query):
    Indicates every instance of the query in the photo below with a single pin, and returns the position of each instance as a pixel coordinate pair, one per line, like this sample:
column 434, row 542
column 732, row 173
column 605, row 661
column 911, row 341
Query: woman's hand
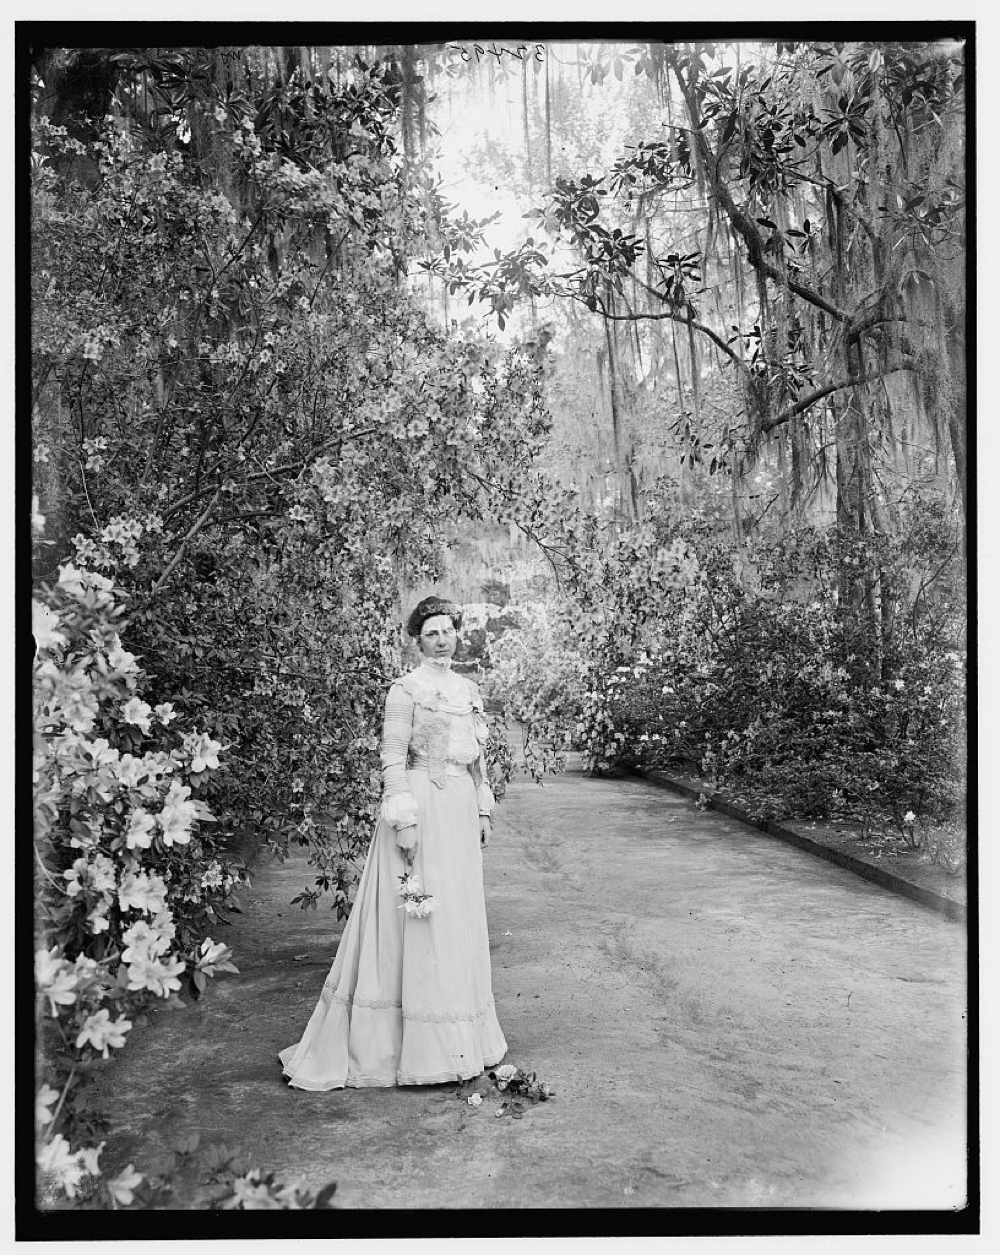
column 485, row 831
column 406, row 839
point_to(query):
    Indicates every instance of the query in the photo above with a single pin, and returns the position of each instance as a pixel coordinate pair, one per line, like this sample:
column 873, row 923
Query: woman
column 408, row 1000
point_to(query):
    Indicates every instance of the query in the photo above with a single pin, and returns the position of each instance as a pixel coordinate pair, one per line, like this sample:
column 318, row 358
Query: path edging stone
column 948, row 907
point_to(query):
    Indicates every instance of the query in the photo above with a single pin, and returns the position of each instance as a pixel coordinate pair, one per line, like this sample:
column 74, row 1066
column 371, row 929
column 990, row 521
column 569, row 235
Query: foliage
column 799, row 233
column 257, row 432
column 757, row 675
column 193, row 1177
column 536, row 675
column 128, row 879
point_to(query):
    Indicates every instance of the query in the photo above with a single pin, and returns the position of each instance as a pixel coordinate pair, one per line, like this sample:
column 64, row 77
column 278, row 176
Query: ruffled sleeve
column 399, row 806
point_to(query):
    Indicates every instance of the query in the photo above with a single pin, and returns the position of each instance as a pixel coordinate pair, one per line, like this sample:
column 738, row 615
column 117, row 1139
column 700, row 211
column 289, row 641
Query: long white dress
column 408, row 1000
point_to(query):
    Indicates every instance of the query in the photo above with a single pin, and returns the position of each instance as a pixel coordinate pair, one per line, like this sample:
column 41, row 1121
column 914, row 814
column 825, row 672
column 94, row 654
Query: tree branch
column 827, row 390
column 193, row 531
column 742, row 223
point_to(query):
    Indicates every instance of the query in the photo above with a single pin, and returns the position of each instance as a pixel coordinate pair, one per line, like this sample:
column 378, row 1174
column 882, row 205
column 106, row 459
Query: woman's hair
column 427, row 609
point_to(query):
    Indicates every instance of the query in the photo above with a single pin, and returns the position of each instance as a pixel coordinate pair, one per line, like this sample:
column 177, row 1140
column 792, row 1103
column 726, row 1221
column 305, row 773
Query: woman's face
column 438, row 638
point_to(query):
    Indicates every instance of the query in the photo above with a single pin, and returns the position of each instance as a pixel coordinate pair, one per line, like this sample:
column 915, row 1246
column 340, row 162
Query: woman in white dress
column 409, row 999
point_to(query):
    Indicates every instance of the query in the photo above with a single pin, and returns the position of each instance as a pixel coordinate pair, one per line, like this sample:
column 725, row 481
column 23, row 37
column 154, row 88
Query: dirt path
column 727, row 1021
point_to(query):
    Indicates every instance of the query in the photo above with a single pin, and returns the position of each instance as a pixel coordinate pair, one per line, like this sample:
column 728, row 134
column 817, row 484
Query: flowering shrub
column 757, row 675
column 533, row 671
column 128, row 877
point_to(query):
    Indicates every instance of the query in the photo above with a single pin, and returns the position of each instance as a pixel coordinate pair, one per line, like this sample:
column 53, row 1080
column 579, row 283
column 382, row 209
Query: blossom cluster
column 415, row 901
column 122, row 857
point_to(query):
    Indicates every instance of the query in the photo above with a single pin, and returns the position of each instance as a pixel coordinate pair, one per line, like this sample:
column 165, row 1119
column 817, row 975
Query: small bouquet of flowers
column 415, row 901
column 515, row 1086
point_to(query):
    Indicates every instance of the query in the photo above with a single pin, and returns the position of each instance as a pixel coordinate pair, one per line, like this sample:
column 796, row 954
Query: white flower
column 142, row 891
column 909, row 818
column 122, row 1187
column 120, row 659
column 98, row 919
column 44, row 1099
column 71, row 580
column 137, row 712
column 410, row 885
column 507, row 1072
column 158, row 977
column 131, row 770
column 165, row 713
column 97, row 875
column 212, row 952
column 212, row 876
column 56, row 1160
column 89, row 1156
column 140, row 830
column 177, row 816
column 419, row 909
column 203, row 750
column 101, row 1032
column 475, row 1100
column 147, row 941
column 900, row 684
column 44, row 625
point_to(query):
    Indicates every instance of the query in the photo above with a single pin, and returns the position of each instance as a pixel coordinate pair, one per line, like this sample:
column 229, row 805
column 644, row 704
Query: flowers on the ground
column 909, row 818
column 513, row 1086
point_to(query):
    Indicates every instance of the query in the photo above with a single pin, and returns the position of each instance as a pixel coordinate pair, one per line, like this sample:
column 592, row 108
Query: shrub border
column 950, row 908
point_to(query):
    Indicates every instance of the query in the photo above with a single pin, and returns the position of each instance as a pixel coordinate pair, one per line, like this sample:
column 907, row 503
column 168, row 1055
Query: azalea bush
column 535, row 673
column 129, row 878
column 757, row 675
column 267, row 429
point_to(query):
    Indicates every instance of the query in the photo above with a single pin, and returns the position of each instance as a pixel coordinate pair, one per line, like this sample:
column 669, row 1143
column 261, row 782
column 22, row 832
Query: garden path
column 727, row 1022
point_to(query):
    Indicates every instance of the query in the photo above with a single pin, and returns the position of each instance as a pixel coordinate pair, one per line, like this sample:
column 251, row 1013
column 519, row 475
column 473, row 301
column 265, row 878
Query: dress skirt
column 409, row 1001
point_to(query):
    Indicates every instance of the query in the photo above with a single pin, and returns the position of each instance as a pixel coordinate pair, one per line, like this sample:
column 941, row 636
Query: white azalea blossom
column 97, row 875
column 138, row 713
column 44, row 1100
column 120, row 659
column 212, row 952
column 122, row 1187
column 156, row 975
column 142, row 891
column 98, row 919
column 45, row 627
column 177, row 816
column 100, row 1031
column 165, row 712
column 141, row 830
column 203, row 750
column 55, row 1159
column 131, row 770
